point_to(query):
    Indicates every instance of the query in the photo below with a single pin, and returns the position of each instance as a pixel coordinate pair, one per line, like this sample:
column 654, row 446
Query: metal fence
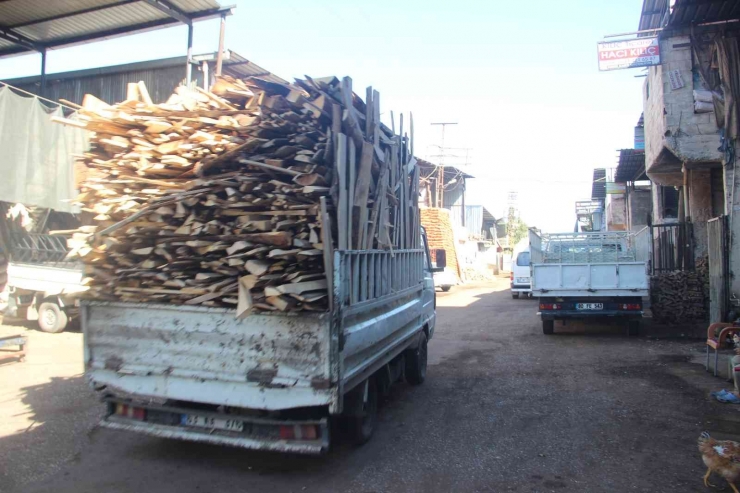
column 39, row 248
column 373, row 274
column 673, row 247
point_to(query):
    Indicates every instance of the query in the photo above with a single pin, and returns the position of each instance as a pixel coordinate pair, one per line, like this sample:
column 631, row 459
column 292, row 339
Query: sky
column 520, row 79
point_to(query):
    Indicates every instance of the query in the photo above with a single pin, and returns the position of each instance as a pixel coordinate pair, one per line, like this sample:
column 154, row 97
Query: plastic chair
column 718, row 341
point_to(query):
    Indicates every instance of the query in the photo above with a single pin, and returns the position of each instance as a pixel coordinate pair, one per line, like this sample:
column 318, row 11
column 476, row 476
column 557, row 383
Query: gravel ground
column 504, row 408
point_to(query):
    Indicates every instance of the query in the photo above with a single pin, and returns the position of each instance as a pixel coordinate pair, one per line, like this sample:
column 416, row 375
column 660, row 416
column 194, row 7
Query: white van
column 521, row 282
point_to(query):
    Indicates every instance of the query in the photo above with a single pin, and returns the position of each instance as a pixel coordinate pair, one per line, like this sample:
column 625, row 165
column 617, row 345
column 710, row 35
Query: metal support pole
column 43, row 73
column 220, row 56
column 189, row 69
column 206, row 75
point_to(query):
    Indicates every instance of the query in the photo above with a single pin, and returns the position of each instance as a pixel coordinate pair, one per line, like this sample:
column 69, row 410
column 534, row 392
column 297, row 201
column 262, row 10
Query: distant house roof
column 38, row 25
column 631, row 166
column 598, row 187
column 658, row 14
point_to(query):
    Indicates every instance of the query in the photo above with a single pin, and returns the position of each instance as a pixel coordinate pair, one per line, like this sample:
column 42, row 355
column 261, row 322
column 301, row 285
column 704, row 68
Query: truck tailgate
column 206, row 355
column 604, row 279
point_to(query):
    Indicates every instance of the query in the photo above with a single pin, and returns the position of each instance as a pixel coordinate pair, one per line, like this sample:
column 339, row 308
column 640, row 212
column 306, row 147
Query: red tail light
column 550, row 306
column 511, row 275
column 131, row 412
column 299, row 432
column 630, row 306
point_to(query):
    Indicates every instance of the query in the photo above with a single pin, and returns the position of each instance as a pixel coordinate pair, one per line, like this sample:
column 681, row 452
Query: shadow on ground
column 504, row 408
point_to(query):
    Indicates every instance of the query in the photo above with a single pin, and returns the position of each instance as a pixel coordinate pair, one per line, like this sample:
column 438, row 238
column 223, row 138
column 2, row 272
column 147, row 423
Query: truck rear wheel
column 52, row 318
column 548, row 327
column 416, row 362
column 362, row 426
column 515, row 295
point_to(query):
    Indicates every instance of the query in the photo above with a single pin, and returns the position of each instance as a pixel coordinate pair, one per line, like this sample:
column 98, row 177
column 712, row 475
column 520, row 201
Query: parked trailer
column 268, row 381
column 590, row 275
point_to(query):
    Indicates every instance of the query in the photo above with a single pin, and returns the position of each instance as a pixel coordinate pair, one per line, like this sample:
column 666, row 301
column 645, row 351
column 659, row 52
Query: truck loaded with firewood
column 258, row 267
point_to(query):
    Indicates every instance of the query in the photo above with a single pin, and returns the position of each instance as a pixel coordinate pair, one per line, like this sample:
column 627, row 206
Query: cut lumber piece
column 257, row 267
column 295, row 288
column 144, row 94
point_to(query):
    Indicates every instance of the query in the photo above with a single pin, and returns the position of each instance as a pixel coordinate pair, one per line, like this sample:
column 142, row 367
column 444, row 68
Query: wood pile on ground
column 236, row 197
column 681, row 296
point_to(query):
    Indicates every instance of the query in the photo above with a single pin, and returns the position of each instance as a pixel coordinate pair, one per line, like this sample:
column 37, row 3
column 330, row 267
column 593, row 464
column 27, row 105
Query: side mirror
column 441, row 260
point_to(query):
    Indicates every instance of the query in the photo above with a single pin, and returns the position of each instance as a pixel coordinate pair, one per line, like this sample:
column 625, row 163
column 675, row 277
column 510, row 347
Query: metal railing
column 39, row 248
column 578, row 248
column 369, row 275
column 673, row 247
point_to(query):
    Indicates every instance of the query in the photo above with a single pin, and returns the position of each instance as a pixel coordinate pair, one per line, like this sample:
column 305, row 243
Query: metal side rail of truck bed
column 266, row 381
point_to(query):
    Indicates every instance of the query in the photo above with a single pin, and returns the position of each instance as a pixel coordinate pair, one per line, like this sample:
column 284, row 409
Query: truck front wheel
column 52, row 318
column 548, row 327
column 416, row 362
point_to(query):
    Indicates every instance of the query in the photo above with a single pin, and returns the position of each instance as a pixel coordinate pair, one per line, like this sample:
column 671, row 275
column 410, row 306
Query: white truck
column 42, row 285
column 267, row 381
column 590, row 275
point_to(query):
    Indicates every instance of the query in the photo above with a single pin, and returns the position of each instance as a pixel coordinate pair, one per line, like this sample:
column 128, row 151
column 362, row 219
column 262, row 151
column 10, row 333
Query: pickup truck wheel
column 416, row 362
column 446, row 288
column 363, row 425
column 515, row 296
column 633, row 328
column 548, row 327
column 52, row 318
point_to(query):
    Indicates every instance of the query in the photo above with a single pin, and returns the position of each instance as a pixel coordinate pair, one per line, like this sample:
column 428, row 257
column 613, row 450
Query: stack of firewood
column 236, row 197
column 681, row 296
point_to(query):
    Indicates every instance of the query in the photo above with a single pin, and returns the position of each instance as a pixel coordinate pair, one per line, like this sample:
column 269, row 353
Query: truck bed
column 590, row 280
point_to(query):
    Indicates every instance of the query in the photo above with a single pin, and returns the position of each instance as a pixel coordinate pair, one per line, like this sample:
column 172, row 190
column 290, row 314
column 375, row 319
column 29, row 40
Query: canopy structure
column 40, row 25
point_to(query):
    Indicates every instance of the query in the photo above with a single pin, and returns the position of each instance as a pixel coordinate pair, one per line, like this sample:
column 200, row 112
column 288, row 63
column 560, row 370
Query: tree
column 516, row 229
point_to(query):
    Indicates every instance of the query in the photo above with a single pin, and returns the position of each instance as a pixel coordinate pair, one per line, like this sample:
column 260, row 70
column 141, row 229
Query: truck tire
column 52, row 318
column 446, row 288
column 515, row 296
column 633, row 328
column 416, row 362
column 548, row 327
column 363, row 425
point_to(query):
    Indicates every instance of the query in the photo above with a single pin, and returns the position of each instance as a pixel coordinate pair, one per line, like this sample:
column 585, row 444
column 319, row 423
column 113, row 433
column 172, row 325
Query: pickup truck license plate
column 212, row 423
column 589, row 306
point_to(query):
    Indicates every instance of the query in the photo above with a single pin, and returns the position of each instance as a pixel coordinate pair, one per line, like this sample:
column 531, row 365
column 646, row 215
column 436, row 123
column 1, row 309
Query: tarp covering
column 36, row 154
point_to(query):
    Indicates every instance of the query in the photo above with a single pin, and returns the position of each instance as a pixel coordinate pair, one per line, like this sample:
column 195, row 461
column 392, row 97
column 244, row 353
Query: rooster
column 721, row 457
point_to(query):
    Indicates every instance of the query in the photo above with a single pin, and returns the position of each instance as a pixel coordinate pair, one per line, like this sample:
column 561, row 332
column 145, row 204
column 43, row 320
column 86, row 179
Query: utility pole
column 441, row 171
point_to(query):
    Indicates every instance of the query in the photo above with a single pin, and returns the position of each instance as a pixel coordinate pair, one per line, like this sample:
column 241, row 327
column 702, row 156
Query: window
column 522, row 259
column 669, row 202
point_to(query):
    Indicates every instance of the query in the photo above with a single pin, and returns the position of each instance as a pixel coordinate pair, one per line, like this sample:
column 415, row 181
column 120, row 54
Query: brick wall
column 438, row 225
column 670, row 121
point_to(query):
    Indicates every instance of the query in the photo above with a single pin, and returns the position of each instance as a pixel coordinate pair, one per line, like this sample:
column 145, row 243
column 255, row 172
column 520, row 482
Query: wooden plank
column 341, row 170
column 351, row 196
column 327, row 247
column 362, row 189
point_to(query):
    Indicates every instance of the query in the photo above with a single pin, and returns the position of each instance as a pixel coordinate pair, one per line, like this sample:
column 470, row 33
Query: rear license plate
column 212, row 423
column 522, row 280
column 589, row 306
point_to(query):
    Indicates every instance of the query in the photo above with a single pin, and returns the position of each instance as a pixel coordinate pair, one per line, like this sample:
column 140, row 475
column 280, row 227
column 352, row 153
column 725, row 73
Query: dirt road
column 504, row 408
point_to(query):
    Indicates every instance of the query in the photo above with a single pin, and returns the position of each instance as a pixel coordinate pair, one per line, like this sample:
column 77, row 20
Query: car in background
column 521, row 281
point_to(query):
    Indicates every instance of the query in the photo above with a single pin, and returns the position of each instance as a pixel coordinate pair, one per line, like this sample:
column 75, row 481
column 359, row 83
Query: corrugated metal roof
column 160, row 76
column 35, row 24
column 631, row 166
column 655, row 13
